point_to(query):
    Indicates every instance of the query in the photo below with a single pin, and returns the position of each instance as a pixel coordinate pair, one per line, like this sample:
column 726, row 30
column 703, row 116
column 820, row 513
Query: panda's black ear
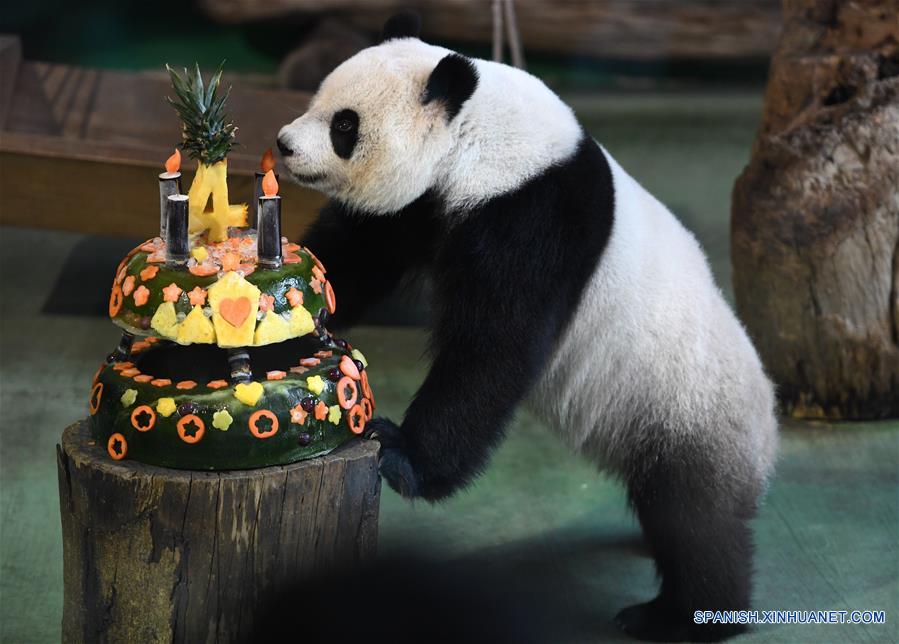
column 452, row 83
column 405, row 24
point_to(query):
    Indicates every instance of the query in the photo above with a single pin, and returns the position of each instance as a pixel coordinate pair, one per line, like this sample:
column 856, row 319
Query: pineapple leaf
column 206, row 132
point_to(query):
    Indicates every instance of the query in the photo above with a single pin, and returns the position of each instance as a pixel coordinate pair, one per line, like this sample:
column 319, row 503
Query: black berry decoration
column 188, row 408
column 334, row 374
column 304, row 439
column 308, row 404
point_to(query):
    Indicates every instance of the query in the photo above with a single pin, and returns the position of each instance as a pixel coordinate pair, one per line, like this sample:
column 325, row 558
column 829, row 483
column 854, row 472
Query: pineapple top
column 206, row 132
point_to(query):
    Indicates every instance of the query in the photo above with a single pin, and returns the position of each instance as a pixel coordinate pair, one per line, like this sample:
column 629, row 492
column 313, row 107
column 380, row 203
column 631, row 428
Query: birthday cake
column 225, row 361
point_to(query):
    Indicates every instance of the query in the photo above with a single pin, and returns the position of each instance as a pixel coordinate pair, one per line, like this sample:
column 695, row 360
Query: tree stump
column 815, row 225
column 161, row 555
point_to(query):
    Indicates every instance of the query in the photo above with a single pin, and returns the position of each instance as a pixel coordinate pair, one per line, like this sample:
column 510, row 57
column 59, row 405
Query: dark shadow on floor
column 529, row 592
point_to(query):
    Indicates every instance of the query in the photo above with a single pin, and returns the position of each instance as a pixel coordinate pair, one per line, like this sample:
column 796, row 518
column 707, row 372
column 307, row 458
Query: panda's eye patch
column 344, row 132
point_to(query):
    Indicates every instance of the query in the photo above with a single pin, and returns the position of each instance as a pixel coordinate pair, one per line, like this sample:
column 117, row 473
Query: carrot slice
column 217, row 384
column 121, row 366
column 276, row 374
column 323, row 354
column 349, row 368
column 309, row 362
column 186, row 384
column 321, row 410
column 203, row 270
column 200, row 428
column 355, row 418
column 366, row 388
column 149, row 273
column 330, row 300
column 115, row 301
column 257, row 431
column 128, row 285
column 160, row 382
column 367, row 408
column 141, row 295
column 93, row 402
column 138, row 411
column 292, row 258
column 117, row 446
column 347, row 393
column 143, row 378
column 129, row 373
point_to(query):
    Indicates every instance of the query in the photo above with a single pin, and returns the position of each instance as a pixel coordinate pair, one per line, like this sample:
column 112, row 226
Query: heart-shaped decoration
column 249, row 393
column 235, row 311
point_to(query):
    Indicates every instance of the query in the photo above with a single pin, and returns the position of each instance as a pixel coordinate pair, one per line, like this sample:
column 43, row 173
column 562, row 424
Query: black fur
column 452, row 82
column 344, row 132
column 405, row 24
column 507, row 278
column 366, row 256
column 694, row 516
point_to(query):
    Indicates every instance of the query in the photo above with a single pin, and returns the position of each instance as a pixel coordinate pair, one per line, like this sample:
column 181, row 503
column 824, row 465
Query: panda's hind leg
column 694, row 514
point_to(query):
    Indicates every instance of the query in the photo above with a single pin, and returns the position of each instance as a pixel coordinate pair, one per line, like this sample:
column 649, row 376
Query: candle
column 169, row 184
column 266, row 163
column 239, row 364
column 177, row 250
column 268, row 233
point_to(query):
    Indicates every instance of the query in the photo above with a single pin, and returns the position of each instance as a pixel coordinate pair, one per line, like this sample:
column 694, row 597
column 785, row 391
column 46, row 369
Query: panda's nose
column 284, row 148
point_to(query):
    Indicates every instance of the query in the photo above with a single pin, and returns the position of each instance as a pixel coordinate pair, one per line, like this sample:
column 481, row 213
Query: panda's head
column 381, row 123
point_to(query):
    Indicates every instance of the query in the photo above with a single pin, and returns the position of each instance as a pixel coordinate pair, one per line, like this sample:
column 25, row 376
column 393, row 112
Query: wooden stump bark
column 815, row 225
column 160, row 555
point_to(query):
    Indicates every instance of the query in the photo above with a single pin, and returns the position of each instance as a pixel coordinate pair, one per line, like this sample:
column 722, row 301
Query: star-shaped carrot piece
column 298, row 415
column 266, row 302
column 141, row 295
column 294, row 296
column 128, row 285
column 316, row 286
column 149, row 273
column 197, row 296
column 171, row 293
column 230, row 261
column 321, row 411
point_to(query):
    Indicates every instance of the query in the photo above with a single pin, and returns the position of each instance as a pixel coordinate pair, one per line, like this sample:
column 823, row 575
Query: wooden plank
column 615, row 29
column 10, row 59
column 92, row 113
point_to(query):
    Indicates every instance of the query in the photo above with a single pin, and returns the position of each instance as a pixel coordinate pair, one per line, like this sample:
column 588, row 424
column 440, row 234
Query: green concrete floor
column 827, row 534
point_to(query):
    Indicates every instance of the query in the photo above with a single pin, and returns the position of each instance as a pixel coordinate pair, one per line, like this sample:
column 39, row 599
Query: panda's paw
column 386, row 432
column 396, row 469
column 655, row 622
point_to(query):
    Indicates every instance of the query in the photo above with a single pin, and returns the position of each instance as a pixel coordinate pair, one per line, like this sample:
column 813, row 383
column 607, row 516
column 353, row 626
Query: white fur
column 511, row 128
column 655, row 356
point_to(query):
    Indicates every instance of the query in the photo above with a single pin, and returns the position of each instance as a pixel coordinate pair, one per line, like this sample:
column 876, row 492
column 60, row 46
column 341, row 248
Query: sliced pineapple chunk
column 272, row 328
column 165, row 320
column 300, row 322
column 196, row 328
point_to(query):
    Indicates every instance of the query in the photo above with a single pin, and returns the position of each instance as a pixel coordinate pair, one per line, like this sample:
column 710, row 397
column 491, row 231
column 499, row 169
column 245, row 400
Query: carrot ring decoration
column 330, row 300
column 355, row 418
column 115, row 301
column 366, row 388
column 138, row 411
column 117, row 453
column 198, row 433
column 257, row 431
column 367, row 408
column 93, row 402
column 347, row 400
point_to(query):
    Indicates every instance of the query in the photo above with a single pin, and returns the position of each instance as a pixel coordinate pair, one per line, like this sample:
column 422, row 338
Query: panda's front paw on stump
column 386, row 432
column 397, row 471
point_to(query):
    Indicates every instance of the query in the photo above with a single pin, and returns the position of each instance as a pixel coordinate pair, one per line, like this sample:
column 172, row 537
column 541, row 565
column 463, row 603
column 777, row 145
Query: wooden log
column 815, row 225
column 615, row 29
column 159, row 555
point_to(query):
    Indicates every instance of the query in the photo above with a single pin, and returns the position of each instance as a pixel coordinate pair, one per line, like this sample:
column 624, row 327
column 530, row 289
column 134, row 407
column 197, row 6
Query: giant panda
column 558, row 282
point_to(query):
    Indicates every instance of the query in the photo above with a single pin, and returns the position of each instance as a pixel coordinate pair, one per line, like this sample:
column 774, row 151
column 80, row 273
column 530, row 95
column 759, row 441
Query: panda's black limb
column 695, row 521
